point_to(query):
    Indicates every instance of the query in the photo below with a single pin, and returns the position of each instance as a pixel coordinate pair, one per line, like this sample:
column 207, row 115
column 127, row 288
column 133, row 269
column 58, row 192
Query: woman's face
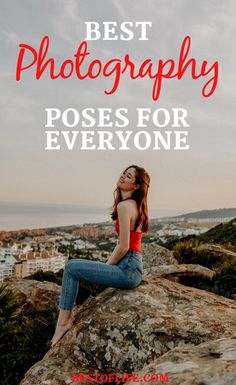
column 126, row 181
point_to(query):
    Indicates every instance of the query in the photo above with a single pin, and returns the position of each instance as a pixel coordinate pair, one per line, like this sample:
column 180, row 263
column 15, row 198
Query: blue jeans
column 126, row 274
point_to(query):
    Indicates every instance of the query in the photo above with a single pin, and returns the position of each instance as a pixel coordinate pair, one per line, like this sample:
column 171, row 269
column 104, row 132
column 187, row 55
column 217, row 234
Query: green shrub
column 190, row 252
column 186, row 251
column 25, row 336
column 49, row 276
column 224, row 282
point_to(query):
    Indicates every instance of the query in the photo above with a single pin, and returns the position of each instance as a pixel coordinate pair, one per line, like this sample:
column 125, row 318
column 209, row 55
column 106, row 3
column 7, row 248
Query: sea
column 15, row 216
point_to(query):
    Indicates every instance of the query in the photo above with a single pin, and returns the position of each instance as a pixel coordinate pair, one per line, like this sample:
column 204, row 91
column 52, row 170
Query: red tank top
column 135, row 239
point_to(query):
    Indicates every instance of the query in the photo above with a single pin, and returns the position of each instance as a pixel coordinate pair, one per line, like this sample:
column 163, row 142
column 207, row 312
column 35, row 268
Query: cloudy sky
column 203, row 177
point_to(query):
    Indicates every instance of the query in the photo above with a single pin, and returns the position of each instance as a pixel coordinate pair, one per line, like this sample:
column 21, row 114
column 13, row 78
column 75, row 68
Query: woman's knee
column 69, row 265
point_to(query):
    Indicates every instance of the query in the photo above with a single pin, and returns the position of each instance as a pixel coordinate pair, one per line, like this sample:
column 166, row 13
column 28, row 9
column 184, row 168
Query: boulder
column 216, row 253
column 41, row 295
column 209, row 363
column 122, row 331
column 155, row 255
column 181, row 270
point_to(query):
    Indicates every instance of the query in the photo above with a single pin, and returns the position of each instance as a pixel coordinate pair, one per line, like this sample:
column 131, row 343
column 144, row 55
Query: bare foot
column 60, row 331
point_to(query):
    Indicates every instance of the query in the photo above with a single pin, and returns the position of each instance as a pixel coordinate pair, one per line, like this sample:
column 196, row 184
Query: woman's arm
column 124, row 215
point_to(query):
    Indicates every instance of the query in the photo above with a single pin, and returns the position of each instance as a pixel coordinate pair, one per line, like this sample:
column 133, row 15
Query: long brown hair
column 140, row 196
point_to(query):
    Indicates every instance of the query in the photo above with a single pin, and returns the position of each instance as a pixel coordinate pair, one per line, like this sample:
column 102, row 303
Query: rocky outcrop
column 123, row 331
column 40, row 295
column 216, row 253
column 182, row 270
column 209, row 363
column 155, row 255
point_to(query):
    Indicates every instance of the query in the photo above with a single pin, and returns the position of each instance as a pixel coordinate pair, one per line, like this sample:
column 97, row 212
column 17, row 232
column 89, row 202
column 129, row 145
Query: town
column 24, row 252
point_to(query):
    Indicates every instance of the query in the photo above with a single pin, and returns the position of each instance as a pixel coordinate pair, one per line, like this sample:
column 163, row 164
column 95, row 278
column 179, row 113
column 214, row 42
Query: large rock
column 181, row 270
column 216, row 253
column 122, row 331
column 155, row 255
column 209, row 363
column 41, row 295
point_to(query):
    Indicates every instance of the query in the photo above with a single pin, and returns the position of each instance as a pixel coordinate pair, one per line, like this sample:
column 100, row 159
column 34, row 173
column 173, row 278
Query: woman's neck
column 125, row 196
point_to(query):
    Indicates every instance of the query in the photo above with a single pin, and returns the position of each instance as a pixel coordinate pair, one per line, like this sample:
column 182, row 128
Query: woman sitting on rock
column 124, row 268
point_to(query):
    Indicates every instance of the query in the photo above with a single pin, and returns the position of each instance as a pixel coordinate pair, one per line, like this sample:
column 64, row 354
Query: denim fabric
column 126, row 274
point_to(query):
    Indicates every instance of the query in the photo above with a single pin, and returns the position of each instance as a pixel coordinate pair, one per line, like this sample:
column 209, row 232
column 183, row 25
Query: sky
column 203, row 177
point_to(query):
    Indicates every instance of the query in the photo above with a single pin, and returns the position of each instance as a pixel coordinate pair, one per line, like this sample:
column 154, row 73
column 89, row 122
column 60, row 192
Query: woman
column 123, row 268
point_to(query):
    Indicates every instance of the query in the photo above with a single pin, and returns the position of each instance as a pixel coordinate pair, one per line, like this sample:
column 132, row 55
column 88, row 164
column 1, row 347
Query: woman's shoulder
column 127, row 208
column 127, row 204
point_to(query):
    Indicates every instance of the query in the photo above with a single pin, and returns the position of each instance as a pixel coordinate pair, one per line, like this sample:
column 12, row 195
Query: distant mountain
column 216, row 213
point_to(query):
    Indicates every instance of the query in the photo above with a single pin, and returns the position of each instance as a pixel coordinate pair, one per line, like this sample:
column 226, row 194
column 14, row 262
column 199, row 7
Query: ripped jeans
column 126, row 274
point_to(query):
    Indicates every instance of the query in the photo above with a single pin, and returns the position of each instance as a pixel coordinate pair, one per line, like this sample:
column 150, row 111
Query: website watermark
column 119, row 377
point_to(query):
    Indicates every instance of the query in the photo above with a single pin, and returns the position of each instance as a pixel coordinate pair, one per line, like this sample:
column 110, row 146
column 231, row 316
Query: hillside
column 217, row 213
column 224, row 234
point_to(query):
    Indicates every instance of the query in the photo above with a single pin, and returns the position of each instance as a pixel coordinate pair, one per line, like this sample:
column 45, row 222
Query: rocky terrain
column 211, row 362
column 161, row 326
column 38, row 294
column 216, row 253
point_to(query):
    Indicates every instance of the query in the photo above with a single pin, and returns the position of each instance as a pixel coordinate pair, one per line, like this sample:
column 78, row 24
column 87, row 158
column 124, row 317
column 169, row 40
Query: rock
column 181, row 270
column 122, row 331
column 41, row 295
column 155, row 255
column 216, row 253
column 60, row 365
column 209, row 363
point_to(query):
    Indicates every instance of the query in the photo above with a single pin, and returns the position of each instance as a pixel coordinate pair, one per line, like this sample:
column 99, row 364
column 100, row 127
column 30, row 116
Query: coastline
column 21, row 216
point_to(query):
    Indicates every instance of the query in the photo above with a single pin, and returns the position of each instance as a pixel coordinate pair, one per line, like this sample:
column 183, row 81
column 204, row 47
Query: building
column 24, row 264
column 31, row 262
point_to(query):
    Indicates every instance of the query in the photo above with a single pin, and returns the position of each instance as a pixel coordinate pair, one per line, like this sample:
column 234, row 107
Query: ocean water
column 32, row 216
column 14, row 216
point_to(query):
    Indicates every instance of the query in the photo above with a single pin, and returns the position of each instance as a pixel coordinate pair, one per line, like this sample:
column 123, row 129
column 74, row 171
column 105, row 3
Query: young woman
column 124, row 268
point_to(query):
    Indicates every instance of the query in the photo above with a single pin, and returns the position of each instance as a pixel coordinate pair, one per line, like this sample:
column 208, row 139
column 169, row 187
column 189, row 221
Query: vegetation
column 25, row 335
column 189, row 252
column 224, row 280
column 49, row 276
column 26, row 331
column 86, row 288
column 223, row 234
column 73, row 252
